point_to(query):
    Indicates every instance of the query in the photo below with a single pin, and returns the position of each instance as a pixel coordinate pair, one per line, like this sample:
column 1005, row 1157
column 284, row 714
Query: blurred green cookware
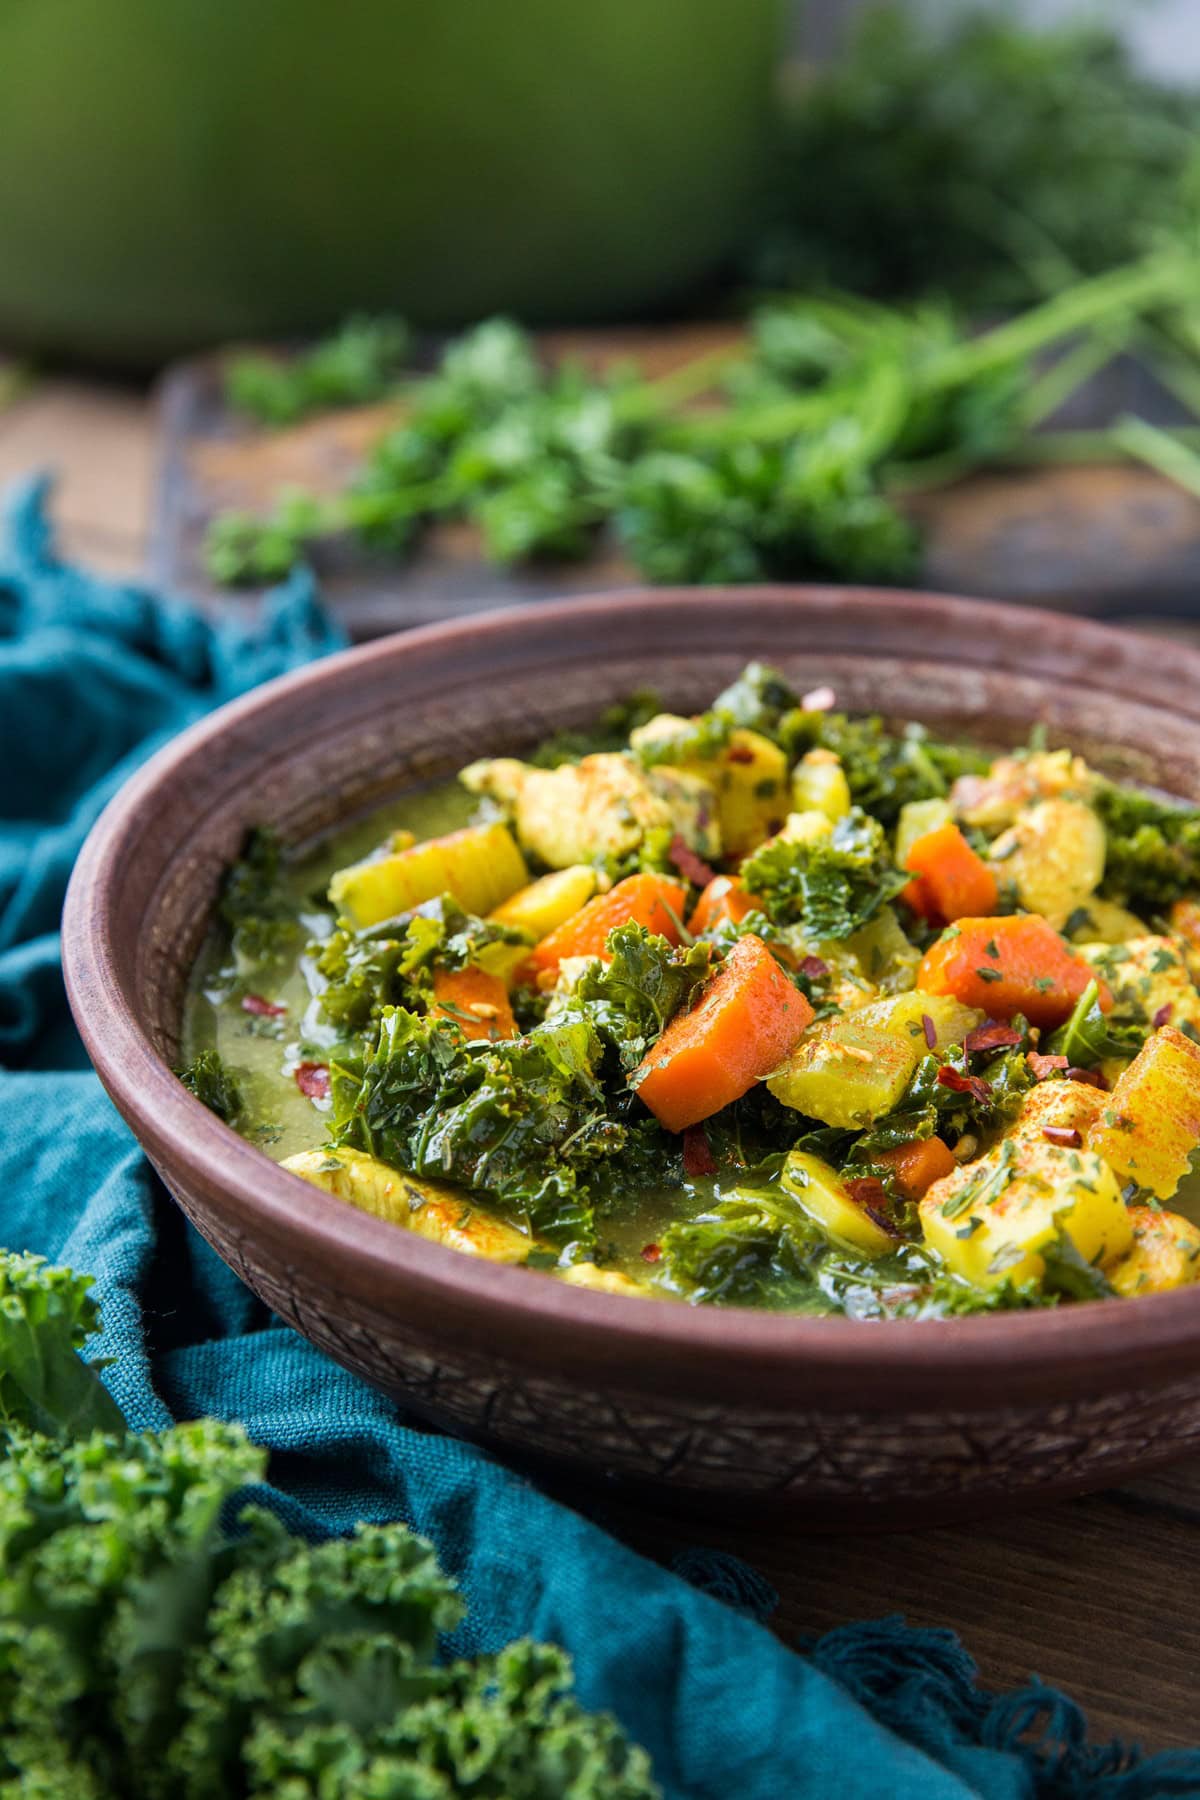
column 174, row 172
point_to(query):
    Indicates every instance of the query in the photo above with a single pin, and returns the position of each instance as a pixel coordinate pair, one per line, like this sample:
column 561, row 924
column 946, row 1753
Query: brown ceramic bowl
column 835, row 1421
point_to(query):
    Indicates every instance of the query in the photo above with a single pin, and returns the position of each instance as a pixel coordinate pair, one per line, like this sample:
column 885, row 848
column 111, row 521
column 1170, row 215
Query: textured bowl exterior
column 831, row 1421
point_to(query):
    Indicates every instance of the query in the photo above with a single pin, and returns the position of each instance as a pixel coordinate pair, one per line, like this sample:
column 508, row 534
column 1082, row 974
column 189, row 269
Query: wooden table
column 1098, row 1596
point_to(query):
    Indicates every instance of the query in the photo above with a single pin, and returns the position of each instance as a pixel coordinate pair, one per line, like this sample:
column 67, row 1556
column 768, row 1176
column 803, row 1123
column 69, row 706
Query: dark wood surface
column 1117, row 542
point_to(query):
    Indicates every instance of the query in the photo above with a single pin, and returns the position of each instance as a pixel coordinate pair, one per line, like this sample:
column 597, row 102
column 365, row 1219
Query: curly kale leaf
column 1152, row 855
column 1090, row 1036
column 213, row 1084
column 392, row 963
column 885, row 770
column 525, row 1121
column 631, row 999
column 253, row 903
column 46, row 1317
column 145, row 1652
column 753, row 1248
column 831, row 886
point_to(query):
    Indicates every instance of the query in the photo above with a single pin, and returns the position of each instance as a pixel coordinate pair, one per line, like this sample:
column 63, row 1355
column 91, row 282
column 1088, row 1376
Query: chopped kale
column 631, row 999
column 211, row 1081
column 392, row 964
column 611, row 732
column 254, row 905
column 831, row 885
column 1090, row 1036
column 1153, row 848
column 885, row 770
column 525, row 1121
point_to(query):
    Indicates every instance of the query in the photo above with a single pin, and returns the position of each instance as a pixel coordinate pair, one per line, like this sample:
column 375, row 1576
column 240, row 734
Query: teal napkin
column 93, row 676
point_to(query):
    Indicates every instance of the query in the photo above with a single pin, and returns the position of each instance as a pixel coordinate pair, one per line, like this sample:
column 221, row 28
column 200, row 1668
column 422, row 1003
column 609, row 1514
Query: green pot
column 176, row 172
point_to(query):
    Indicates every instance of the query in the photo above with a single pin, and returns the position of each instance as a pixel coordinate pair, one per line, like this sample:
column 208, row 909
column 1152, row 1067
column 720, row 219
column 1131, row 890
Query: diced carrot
column 747, row 1018
column 650, row 900
column 917, row 1165
column 952, row 881
column 723, row 898
column 1184, row 920
column 1017, row 964
column 474, row 1001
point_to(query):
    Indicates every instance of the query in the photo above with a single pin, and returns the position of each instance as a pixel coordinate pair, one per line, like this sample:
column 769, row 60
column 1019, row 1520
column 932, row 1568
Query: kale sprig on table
column 779, row 455
column 161, row 1636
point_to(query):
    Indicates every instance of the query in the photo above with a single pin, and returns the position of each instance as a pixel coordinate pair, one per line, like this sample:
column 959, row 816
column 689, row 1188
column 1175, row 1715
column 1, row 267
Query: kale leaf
column 392, row 963
column 1152, row 855
column 253, row 903
column 46, row 1316
column 525, row 1120
column 753, row 1248
column 214, row 1085
column 1090, row 1036
column 631, row 999
column 831, row 885
column 146, row 1651
column 885, row 770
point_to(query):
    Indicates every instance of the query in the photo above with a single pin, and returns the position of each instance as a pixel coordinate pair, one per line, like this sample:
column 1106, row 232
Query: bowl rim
column 989, row 1359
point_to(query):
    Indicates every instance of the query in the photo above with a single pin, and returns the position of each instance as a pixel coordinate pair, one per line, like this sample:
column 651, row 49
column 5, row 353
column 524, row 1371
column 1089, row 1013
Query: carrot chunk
column 723, row 898
column 1004, row 966
column 474, row 1001
column 917, row 1165
column 952, row 881
column 746, row 1019
column 650, row 900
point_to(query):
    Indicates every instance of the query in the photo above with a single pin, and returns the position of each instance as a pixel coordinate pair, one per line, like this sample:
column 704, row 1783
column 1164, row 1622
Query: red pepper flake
column 691, row 866
column 697, row 1156
column 975, row 1085
column 263, row 1009
column 813, row 967
column 1163, row 1015
column 739, row 753
column 821, row 699
column 1089, row 1078
column 312, row 1078
column 930, row 1030
column 1062, row 1134
column 1044, row 1066
column 991, row 1036
column 651, row 1253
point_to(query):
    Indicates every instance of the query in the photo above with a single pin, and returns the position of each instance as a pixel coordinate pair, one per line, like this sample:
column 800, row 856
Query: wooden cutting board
column 1115, row 541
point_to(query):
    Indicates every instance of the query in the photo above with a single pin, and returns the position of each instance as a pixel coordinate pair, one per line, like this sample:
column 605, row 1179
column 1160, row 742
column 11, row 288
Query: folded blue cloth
column 92, row 678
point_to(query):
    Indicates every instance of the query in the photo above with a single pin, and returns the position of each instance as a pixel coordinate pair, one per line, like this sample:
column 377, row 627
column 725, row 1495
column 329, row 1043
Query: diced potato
column 1151, row 1123
column 537, row 910
column 598, row 808
column 1103, row 922
column 993, row 801
column 849, row 1070
column 993, row 1218
column 1165, row 1254
column 917, row 819
column 480, row 866
column 884, row 954
column 819, row 785
column 1146, row 975
column 749, row 774
column 1053, row 854
column 430, row 1208
column 824, row 1196
column 1061, row 1105
column 805, row 827
column 603, row 1281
